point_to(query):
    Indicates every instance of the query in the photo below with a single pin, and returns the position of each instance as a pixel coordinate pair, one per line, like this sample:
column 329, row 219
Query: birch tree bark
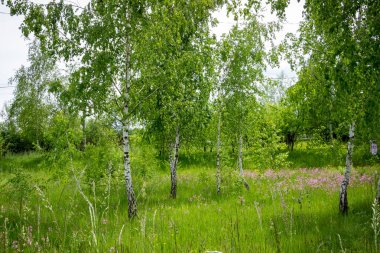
column 240, row 162
column 83, row 119
column 173, row 158
column 378, row 192
column 343, row 202
column 218, row 154
column 132, row 207
column 240, row 156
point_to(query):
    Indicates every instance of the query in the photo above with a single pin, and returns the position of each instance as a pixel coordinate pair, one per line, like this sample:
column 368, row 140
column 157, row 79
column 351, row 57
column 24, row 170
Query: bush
column 64, row 137
column 102, row 152
column 363, row 156
column 270, row 155
column 100, row 160
column 14, row 142
column 232, row 182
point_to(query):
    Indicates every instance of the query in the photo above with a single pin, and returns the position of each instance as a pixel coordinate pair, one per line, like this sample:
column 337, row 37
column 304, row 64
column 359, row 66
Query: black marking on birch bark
column 343, row 200
column 218, row 173
column 173, row 165
column 240, row 163
column 378, row 192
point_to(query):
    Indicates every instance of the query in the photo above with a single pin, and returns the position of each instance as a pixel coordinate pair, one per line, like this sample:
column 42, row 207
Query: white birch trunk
column 84, row 140
column 378, row 192
column 173, row 158
column 240, row 162
column 240, row 156
column 218, row 155
column 343, row 202
column 132, row 207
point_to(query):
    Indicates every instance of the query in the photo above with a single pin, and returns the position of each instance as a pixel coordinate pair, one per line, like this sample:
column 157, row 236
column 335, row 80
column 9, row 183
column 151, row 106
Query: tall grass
column 67, row 214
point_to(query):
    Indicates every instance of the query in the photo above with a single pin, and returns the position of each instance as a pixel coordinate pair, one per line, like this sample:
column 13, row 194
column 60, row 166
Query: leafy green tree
column 30, row 110
column 101, row 36
column 263, row 139
column 177, row 75
column 64, row 137
column 338, row 37
column 76, row 96
column 242, row 66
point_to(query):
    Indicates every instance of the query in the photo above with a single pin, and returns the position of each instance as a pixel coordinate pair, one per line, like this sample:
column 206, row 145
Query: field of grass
column 46, row 208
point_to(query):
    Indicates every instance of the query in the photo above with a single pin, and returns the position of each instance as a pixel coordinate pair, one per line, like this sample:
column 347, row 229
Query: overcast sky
column 14, row 48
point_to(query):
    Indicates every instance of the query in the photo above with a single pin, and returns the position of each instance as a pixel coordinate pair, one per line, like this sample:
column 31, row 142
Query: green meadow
column 170, row 126
column 53, row 207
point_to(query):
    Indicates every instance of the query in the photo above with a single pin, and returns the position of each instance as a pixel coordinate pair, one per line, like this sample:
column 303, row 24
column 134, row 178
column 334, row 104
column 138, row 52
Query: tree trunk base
column 343, row 202
column 378, row 192
column 246, row 185
column 173, row 191
column 132, row 209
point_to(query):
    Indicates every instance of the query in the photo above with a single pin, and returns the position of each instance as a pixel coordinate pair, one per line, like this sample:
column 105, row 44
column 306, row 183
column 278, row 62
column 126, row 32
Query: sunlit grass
column 276, row 215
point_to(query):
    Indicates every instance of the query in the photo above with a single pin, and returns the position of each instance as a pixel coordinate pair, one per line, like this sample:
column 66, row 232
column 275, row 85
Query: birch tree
column 102, row 37
column 177, row 74
column 29, row 110
column 218, row 142
column 345, row 29
column 242, row 65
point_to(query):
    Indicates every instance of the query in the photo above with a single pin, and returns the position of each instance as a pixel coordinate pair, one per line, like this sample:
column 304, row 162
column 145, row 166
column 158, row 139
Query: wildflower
column 29, row 239
column 15, row 245
column 365, row 179
column 312, row 182
column 270, row 174
column 251, row 174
